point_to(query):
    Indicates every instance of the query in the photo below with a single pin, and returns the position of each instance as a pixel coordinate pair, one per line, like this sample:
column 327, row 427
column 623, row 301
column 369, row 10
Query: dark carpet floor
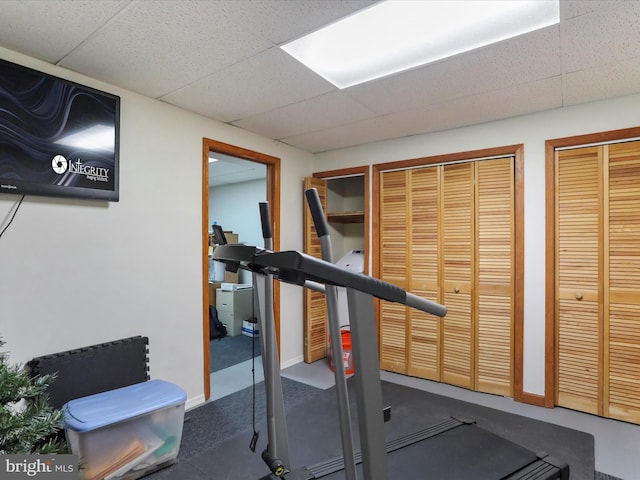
column 215, row 442
column 229, row 351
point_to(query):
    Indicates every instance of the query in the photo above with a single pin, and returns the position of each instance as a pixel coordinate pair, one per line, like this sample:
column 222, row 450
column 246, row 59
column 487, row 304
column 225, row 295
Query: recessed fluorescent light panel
column 397, row 35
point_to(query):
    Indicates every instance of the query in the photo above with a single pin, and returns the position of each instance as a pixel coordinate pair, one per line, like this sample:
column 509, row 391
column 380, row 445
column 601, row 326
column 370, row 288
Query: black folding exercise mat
column 94, row 368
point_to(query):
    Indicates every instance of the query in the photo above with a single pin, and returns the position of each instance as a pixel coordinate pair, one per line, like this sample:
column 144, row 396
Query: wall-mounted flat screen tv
column 57, row 138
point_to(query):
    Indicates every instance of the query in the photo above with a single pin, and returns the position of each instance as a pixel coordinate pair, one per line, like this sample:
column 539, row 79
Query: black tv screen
column 57, row 138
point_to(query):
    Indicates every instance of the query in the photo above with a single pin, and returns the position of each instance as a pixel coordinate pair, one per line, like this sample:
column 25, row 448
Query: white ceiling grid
column 220, row 58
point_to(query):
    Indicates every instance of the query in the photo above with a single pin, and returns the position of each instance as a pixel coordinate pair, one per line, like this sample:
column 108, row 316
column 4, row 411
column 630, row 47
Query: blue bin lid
column 95, row 411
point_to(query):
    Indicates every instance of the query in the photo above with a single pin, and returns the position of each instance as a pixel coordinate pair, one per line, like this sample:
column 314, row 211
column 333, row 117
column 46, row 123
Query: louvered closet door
column 457, row 249
column 622, row 313
column 495, row 275
column 393, row 268
column 424, row 337
column 578, row 278
column 447, row 233
column 315, row 307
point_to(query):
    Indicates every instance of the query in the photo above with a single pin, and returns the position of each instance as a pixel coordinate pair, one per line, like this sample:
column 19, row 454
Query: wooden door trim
column 517, row 151
column 273, row 197
column 548, row 399
column 343, row 172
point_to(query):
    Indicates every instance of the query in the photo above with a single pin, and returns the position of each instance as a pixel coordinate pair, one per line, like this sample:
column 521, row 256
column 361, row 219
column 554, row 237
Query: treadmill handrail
column 295, row 267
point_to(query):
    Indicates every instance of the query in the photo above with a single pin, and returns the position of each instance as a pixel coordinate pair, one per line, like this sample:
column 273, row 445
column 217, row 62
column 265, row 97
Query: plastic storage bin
column 128, row 432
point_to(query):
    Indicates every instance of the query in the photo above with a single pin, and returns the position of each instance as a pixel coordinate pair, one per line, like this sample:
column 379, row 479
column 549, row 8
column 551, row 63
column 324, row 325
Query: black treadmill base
column 457, row 450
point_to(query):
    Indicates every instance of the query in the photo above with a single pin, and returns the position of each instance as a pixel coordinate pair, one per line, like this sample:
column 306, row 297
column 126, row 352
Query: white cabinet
column 234, row 306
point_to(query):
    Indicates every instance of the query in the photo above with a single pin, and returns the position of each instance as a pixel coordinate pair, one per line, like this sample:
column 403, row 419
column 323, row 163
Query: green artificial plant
column 28, row 424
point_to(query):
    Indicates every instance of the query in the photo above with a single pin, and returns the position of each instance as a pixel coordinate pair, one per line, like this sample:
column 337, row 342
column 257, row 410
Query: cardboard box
column 127, row 432
column 250, row 329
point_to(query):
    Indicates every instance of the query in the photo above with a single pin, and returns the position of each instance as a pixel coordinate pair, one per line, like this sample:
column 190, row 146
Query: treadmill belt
column 466, row 452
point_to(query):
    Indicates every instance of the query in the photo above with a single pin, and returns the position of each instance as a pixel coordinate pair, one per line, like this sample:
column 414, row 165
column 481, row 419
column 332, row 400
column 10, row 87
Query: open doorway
column 229, row 157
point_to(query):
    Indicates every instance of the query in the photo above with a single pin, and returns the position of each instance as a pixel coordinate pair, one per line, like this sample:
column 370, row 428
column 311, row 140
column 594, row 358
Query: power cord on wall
column 13, row 215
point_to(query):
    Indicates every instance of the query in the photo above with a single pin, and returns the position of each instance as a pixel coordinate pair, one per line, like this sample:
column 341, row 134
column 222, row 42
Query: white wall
column 76, row 273
column 532, row 131
column 235, row 208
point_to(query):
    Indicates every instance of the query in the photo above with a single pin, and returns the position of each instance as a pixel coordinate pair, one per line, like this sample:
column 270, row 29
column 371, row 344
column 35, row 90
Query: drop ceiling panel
column 262, row 83
column 319, row 113
column 575, row 8
column 523, row 59
column 282, row 21
column 228, row 170
column 51, row 33
column 159, row 46
column 601, row 36
column 603, row 81
column 484, row 107
column 366, row 131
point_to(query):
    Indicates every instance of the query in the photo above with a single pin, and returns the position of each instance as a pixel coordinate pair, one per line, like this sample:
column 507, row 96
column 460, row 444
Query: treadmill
column 456, row 449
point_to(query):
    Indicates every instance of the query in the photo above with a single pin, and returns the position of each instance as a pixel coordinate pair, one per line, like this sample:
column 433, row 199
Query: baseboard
column 194, row 402
column 292, row 362
column 533, row 399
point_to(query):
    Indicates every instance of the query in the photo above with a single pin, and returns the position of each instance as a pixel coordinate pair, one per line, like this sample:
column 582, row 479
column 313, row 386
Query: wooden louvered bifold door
column 622, row 302
column 495, row 275
column 447, row 234
column 597, row 279
column 394, row 269
column 578, row 278
column 458, row 337
column 315, row 310
column 424, row 336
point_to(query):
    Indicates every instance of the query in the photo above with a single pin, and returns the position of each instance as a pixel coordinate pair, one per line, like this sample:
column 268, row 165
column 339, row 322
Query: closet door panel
column 424, row 356
column 393, row 342
column 578, row 278
column 315, row 307
column 495, row 275
column 393, row 269
column 393, row 227
column 622, row 318
column 457, row 250
column 457, row 348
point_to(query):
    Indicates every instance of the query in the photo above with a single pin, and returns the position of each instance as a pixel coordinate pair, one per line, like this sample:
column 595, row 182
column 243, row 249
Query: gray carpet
column 229, row 351
column 213, row 424
column 216, row 436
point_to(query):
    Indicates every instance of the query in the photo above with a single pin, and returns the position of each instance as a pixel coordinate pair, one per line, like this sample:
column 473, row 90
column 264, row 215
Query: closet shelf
column 346, row 217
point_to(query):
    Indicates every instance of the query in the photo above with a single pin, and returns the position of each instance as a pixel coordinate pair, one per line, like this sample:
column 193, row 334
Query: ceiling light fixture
column 397, row 35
